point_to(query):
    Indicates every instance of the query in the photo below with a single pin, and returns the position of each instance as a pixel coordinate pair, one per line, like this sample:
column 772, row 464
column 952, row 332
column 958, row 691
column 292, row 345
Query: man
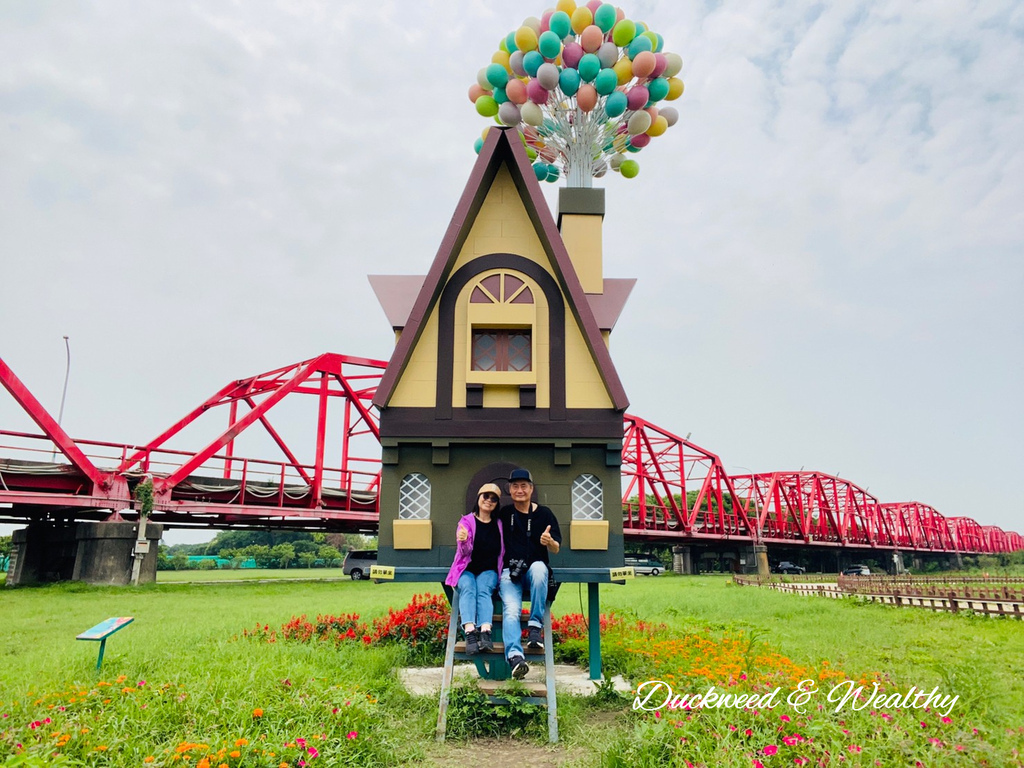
column 531, row 534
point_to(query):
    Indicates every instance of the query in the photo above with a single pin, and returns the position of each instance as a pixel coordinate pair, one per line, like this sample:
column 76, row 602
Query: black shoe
column 534, row 640
column 486, row 644
column 472, row 642
column 519, row 667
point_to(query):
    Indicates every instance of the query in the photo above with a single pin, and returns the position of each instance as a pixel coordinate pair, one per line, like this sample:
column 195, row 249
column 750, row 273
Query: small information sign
column 619, row 574
column 103, row 630
column 385, row 572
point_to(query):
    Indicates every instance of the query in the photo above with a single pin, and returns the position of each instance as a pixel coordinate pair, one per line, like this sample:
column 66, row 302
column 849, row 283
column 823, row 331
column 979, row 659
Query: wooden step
column 499, row 650
column 533, row 688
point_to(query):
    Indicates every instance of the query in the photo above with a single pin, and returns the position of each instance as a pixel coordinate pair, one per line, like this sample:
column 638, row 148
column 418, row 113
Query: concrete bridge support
column 96, row 553
column 682, row 560
column 898, row 568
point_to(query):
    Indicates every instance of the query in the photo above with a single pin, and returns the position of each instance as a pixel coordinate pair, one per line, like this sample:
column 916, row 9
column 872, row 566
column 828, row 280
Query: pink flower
column 748, row 732
column 784, row 718
column 789, row 741
column 301, row 743
column 770, row 750
column 352, row 734
column 142, row 683
column 924, row 724
column 755, row 763
column 800, row 761
column 947, row 720
column 853, row 748
column 313, row 753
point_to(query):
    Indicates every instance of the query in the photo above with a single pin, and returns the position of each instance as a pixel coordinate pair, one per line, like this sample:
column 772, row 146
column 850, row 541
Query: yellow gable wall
column 502, row 226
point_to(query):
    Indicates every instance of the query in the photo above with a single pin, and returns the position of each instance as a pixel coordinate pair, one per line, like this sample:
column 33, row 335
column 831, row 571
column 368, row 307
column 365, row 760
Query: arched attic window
column 502, row 330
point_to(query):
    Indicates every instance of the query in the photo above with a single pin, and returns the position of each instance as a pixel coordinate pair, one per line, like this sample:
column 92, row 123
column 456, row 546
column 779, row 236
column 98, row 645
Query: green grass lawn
column 249, row 574
column 183, row 674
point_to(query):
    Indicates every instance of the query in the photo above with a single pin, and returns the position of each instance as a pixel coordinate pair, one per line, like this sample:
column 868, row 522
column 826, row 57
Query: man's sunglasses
column 490, row 497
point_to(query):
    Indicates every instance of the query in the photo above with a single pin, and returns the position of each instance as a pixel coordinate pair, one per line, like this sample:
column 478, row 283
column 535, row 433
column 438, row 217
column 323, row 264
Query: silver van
column 357, row 563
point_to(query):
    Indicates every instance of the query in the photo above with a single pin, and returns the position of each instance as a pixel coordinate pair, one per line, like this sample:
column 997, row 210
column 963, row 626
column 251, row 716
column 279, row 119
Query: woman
column 479, row 553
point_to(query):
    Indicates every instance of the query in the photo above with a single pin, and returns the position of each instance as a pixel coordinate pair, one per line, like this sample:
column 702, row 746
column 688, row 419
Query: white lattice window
column 414, row 497
column 587, row 498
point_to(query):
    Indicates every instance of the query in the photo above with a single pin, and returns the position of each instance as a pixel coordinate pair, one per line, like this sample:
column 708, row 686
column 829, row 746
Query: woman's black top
column 486, row 546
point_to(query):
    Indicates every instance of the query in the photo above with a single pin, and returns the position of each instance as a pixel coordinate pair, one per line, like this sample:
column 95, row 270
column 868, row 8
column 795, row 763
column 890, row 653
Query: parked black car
column 785, row 566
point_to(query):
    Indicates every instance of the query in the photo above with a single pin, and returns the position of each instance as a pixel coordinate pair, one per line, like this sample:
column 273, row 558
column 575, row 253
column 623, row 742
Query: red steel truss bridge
column 673, row 490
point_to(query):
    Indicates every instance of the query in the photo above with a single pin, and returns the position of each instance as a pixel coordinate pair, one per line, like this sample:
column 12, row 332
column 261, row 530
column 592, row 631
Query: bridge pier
column 96, row 553
column 682, row 560
column 898, row 568
column 761, row 556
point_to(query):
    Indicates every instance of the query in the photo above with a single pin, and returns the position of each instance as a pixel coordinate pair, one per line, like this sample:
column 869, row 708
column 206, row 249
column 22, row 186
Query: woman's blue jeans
column 476, row 601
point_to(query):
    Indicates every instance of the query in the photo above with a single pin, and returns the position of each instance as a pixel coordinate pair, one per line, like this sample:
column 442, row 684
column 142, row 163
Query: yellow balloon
column 675, row 88
column 484, row 134
column 526, row 39
column 658, row 127
column 581, row 18
column 501, row 57
column 623, row 68
column 566, row 6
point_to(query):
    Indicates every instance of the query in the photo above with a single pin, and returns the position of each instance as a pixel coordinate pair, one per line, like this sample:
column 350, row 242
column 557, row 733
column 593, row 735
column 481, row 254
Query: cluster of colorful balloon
column 582, row 84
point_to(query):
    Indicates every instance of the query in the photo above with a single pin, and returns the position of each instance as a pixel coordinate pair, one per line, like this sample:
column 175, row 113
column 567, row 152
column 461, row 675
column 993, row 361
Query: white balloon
column 533, row 23
column 638, row 123
column 509, row 114
column 532, row 114
column 675, row 65
column 671, row 115
column 547, row 76
column 608, row 53
column 481, row 78
column 515, row 63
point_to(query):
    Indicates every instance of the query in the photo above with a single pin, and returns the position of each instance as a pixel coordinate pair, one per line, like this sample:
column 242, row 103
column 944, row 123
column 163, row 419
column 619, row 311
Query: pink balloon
column 516, row 91
column 475, row 92
column 619, row 15
column 545, row 20
column 643, row 64
column 593, row 5
column 571, row 54
column 591, row 38
column 660, row 66
column 536, row 93
column 640, row 141
column 637, row 97
column 586, row 97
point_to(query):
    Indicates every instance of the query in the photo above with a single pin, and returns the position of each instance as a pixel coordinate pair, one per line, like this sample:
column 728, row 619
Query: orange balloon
column 586, row 97
column 516, row 91
column 643, row 64
column 475, row 92
column 591, row 38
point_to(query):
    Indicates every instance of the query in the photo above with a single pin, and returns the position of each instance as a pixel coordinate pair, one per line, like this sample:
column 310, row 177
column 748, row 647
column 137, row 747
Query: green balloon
column 560, row 24
column 588, row 67
column 657, row 89
column 623, row 33
column 540, row 170
column 616, row 104
column 510, row 42
column 549, row 45
column 569, row 81
column 497, row 75
column 503, row 45
column 530, row 151
column 487, row 106
column 500, row 96
column 640, row 43
column 478, row 144
column 606, row 81
column 629, row 168
column 604, row 17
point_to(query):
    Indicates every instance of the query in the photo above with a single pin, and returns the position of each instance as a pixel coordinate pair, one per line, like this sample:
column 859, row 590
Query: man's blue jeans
column 536, row 581
column 476, row 597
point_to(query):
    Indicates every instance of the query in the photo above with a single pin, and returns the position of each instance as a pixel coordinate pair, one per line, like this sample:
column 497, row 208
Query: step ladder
column 494, row 670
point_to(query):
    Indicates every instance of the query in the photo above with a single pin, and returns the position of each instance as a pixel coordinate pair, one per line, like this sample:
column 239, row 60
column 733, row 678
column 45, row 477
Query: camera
column 516, row 568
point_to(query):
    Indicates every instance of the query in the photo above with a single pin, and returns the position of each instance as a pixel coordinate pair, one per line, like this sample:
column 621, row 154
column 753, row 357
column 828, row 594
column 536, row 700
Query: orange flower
column 235, row 753
column 257, row 712
column 149, row 759
column 241, row 742
column 101, row 748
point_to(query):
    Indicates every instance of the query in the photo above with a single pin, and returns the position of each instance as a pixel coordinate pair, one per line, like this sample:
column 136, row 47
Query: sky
column 828, row 244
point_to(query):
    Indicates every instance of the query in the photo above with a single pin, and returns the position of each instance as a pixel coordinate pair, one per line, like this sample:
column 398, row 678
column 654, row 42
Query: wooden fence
column 993, row 597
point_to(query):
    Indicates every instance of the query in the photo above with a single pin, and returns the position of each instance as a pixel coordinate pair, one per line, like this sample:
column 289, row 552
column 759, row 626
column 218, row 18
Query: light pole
column 63, row 394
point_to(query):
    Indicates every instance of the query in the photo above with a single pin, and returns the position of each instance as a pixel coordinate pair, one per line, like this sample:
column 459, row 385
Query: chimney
column 580, row 215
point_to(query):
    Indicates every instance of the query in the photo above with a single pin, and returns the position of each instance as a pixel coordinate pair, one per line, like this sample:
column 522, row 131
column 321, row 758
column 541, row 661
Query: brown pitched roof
column 397, row 294
column 502, row 147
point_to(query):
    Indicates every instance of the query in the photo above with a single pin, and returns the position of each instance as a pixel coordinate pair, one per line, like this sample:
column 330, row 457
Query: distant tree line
column 263, row 549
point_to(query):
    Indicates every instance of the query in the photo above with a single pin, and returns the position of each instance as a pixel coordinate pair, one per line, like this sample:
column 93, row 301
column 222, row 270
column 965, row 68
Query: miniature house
column 502, row 361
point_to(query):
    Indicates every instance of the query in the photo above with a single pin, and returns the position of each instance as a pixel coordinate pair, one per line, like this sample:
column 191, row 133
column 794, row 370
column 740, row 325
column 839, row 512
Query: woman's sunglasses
column 490, row 497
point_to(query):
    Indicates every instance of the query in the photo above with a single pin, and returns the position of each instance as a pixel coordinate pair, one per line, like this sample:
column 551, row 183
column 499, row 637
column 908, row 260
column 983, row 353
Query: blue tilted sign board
column 103, row 630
